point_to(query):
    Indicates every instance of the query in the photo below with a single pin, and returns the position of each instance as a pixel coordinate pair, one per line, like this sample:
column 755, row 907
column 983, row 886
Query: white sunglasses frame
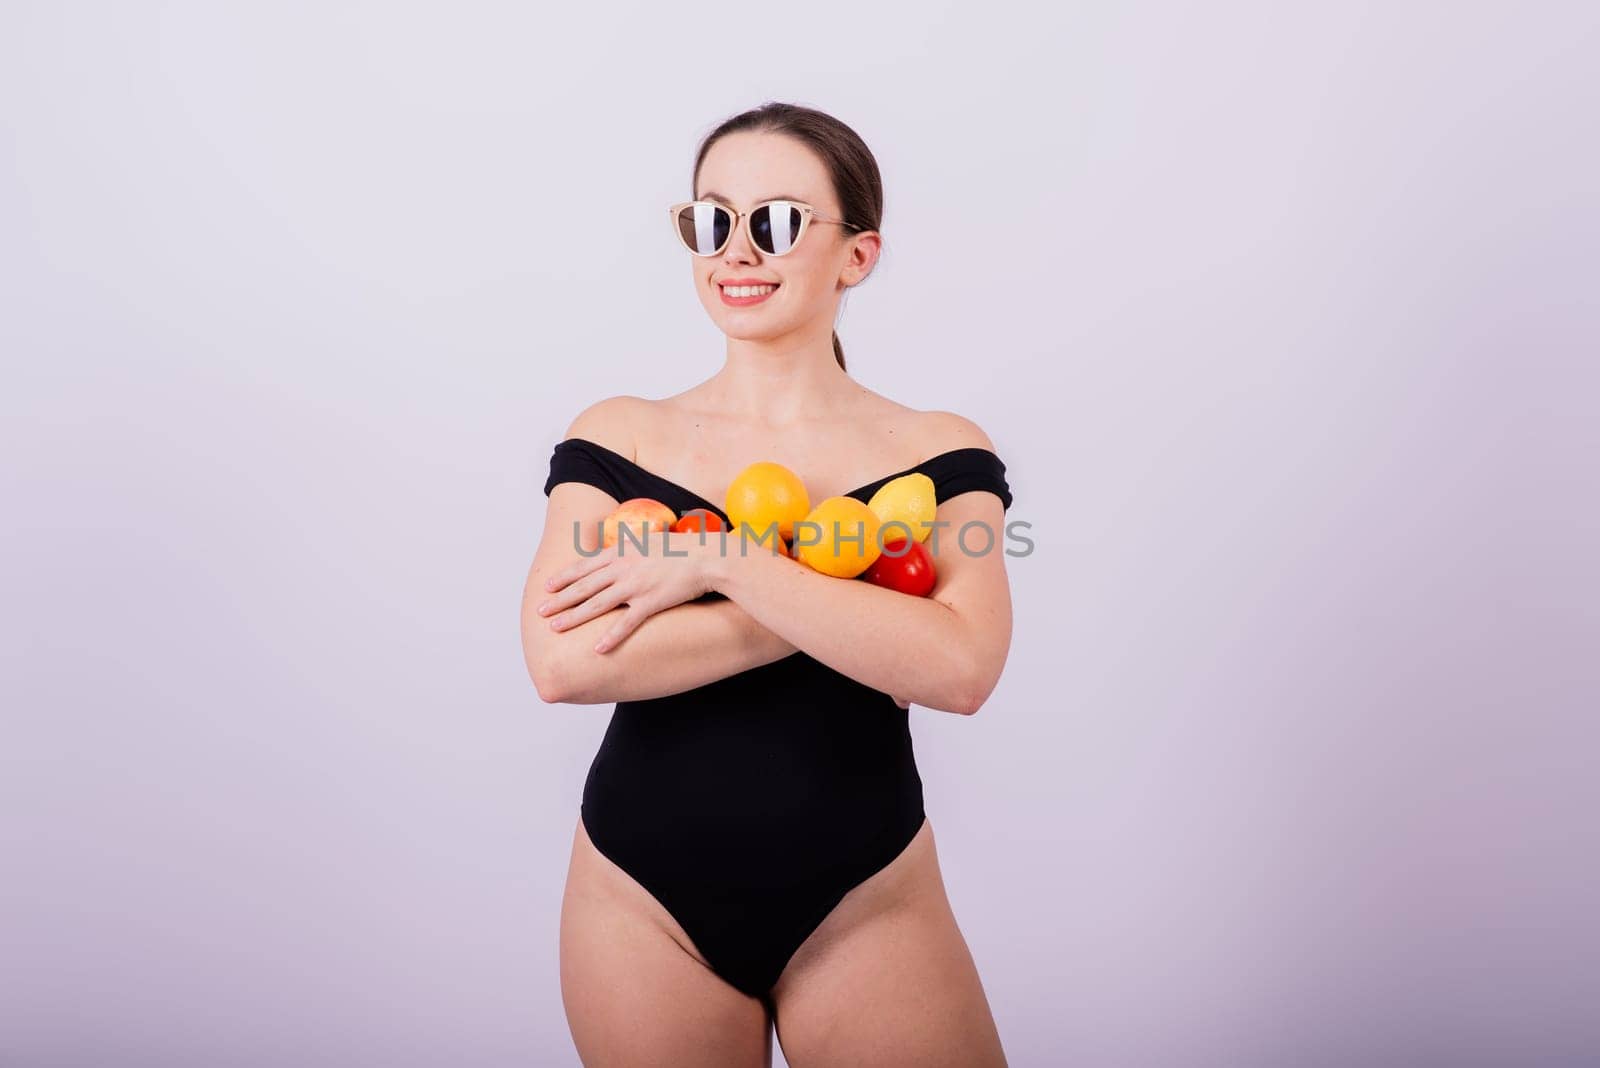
column 808, row 214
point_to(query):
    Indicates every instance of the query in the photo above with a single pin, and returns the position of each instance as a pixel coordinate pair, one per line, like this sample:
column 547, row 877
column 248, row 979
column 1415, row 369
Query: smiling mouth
column 740, row 296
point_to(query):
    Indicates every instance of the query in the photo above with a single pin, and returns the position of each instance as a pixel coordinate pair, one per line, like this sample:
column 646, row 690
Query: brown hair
column 854, row 171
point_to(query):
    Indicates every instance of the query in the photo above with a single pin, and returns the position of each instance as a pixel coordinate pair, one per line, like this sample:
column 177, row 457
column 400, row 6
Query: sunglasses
column 773, row 226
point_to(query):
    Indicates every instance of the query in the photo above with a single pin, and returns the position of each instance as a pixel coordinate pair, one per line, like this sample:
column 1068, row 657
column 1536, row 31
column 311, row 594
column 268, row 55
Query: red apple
column 698, row 521
column 903, row 570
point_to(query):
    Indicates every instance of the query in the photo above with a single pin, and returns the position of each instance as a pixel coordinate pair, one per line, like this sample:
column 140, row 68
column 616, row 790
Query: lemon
column 908, row 499
column 844, row 541
column 765, row 494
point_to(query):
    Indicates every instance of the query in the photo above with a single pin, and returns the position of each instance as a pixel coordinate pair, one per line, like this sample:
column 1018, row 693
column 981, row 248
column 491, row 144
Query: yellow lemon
column 839, row 538
column 765, row 494
column 908, row 499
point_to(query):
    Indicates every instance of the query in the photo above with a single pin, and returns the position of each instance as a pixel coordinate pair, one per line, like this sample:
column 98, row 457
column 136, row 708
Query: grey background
column 1282, row 316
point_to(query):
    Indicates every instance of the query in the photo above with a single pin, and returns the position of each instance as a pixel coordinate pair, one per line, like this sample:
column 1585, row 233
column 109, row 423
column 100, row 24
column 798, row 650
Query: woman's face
column 741, row 170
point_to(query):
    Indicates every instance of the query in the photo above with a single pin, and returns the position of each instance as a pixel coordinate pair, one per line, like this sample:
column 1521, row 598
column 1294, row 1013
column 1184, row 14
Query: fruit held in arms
column 698, row 521
column 642, row 515
column 908, row 499
column 839, row 537
column 765, row 494
column 903, row 566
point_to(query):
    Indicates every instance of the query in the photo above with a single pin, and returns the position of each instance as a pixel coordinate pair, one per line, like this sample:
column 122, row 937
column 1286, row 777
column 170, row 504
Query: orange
column 765, row 494
column 844, row 541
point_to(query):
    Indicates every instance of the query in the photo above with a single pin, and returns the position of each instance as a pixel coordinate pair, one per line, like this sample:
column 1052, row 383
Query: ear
column 864, row 251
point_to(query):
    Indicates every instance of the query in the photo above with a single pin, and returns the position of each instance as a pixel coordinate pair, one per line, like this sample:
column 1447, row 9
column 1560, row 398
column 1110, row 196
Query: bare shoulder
column 610, row 422
column 947, row 430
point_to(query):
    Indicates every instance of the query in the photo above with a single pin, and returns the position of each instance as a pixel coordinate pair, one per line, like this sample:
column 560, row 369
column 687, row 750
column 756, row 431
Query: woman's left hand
column 647, row 582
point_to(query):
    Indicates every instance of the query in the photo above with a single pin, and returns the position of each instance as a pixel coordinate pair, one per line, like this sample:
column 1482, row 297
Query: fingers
column 637, row 613
column 575, row 570
column 582, row 601
column 570, row 595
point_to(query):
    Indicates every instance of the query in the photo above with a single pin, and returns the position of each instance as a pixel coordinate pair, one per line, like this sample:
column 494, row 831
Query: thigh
column 888, row 978
column 634, row 988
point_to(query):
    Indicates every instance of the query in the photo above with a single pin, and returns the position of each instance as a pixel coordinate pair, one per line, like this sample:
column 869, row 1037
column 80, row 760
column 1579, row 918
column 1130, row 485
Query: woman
column 752, row 848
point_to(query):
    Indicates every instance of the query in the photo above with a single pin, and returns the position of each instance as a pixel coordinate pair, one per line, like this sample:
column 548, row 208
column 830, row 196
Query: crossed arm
column 678, row 649
column 633, row 628
column 944, row 651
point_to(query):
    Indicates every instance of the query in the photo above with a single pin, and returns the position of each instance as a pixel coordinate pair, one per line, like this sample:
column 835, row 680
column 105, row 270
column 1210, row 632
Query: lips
column 742, row 302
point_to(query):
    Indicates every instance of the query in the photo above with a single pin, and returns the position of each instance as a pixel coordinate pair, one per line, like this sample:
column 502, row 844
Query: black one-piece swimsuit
column 750, row 806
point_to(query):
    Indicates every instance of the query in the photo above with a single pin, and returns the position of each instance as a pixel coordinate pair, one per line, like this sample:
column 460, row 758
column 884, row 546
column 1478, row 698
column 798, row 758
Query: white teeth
column 747, row 291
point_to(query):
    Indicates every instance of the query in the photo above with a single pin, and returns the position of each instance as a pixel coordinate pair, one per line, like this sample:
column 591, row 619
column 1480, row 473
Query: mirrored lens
column 704, row 227
column 775, row 227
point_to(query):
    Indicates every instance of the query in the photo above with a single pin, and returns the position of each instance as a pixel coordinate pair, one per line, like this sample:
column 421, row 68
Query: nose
column 739, row 249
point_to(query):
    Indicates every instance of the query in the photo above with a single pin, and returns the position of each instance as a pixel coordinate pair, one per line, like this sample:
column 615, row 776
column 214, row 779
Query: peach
column 642, row 515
